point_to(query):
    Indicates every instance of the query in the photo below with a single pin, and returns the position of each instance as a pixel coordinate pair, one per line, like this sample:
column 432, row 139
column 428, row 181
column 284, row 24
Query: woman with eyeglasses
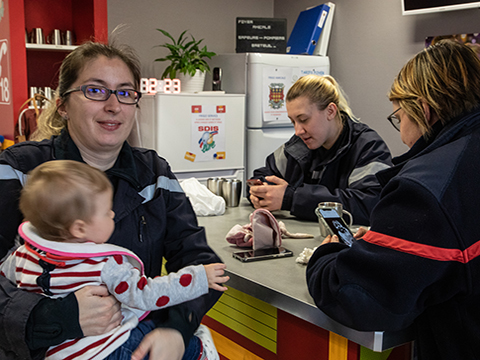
column 95, row 107
column 331, row 158
column 419, row 266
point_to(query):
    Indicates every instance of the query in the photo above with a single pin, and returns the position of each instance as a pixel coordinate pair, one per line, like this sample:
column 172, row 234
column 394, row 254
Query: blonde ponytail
column 321, row 90
column 49, row 123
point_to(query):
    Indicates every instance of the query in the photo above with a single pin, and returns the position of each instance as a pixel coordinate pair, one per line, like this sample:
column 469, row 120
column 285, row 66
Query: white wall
column 211, row 20
column 369, row 44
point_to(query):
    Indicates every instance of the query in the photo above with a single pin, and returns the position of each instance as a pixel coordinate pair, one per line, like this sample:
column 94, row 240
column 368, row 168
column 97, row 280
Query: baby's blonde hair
column 59, row 192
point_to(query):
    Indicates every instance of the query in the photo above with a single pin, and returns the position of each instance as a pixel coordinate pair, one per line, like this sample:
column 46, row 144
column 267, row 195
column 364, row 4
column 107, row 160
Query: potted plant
column 187, row 61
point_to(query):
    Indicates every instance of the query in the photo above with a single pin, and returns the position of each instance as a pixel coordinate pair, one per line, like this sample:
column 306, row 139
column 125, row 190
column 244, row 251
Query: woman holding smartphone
column 419, row 265
column 331, row 158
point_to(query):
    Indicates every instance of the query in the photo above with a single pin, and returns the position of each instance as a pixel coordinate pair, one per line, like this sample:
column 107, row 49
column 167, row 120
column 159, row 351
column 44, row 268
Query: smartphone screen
column 338, row 226
column 262, row 254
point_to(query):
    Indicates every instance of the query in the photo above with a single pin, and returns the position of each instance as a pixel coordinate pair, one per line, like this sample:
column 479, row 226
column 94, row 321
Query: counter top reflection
column 281, row 282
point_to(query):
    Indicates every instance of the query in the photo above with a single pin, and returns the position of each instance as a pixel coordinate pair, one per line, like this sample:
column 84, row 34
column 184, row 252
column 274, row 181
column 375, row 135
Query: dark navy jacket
column 153, row 218
column 344, row 174
column 419, row 265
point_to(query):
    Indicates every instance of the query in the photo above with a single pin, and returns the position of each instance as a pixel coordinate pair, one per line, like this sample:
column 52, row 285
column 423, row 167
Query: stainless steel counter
column 281, row 282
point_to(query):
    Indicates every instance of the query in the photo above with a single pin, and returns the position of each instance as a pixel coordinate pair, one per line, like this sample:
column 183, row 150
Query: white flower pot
column 192, row 84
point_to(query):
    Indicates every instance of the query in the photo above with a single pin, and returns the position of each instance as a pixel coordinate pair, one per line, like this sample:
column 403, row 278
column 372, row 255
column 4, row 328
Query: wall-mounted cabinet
column 77, row 16
column 38, row 64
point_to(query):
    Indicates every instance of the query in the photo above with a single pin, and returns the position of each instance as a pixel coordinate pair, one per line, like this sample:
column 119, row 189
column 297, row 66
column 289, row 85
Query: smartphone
column 262, row 254
column 252, row 182
column 337, row 225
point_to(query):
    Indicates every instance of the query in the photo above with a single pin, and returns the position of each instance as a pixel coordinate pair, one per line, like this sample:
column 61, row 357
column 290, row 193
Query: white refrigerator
column 200, row 135
column 265, row 79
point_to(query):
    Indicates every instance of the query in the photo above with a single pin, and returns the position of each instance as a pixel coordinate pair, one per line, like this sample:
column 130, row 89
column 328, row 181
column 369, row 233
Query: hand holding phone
column 337, row 225
column 253, row 182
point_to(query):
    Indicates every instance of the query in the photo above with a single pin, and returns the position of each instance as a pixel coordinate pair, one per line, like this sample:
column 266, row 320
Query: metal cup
column 215, row 185
column 68, row 38
column 325, row 230
column 55, row 37
column 231, row 190
column 33, row 91
column 211, row 185
column 36, row 36
column 47, row 91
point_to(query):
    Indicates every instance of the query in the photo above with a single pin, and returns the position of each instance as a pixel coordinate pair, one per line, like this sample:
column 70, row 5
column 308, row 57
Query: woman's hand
column 269, row 197
column 161, row 344
column 330, row 239
column 99, row 312
column 360, row 233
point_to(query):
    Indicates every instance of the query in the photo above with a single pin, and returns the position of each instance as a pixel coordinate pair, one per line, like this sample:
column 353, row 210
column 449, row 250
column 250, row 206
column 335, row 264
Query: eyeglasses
column 101, row 93
column 394, row 120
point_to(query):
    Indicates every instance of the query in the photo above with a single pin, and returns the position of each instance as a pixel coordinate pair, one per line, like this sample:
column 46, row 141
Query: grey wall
column 211, row 20
column 370, row 42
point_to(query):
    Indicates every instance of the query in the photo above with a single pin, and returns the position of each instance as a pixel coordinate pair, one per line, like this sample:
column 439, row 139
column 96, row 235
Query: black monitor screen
column 427, row 6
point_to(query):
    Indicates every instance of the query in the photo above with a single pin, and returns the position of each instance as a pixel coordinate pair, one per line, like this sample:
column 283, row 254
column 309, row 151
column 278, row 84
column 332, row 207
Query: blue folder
column 307, row 30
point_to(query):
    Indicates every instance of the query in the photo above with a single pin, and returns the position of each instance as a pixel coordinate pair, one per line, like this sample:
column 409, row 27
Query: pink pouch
column 263, row 232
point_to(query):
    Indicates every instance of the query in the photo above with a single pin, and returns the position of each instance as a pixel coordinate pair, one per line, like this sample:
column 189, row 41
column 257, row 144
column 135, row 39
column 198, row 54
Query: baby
column 68, row 208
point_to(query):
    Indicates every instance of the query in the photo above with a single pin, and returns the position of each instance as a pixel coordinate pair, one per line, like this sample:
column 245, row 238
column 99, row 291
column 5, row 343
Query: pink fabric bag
column 264, row 231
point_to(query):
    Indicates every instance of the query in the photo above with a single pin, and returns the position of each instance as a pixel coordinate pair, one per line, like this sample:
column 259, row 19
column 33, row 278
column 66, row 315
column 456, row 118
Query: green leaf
column 185, row 55
column 166, row 34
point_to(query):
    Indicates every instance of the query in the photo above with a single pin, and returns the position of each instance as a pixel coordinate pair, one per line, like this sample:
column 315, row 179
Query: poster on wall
column 276, row 82
column 208, row 133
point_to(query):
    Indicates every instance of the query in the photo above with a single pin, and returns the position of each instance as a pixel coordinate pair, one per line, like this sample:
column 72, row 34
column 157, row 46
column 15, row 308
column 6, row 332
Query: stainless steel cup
column 212, row 185
column 215, row 185
column 55, row 37
column 33, row 91
column 36, row 36
column 68, row 38
column 40, row 100
column 47, row 91
column 325, row 230
column 231, row 192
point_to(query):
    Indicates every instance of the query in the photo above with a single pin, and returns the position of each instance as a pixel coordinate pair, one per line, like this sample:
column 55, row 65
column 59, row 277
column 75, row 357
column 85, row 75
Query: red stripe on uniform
column 426, row 251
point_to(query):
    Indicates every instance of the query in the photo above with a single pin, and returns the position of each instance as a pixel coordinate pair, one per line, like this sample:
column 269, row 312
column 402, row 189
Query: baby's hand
column 215, row 276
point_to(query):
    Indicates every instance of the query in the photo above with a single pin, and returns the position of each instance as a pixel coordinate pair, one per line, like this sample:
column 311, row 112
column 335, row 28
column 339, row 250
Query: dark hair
column 76, row 60
column 50, row 122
